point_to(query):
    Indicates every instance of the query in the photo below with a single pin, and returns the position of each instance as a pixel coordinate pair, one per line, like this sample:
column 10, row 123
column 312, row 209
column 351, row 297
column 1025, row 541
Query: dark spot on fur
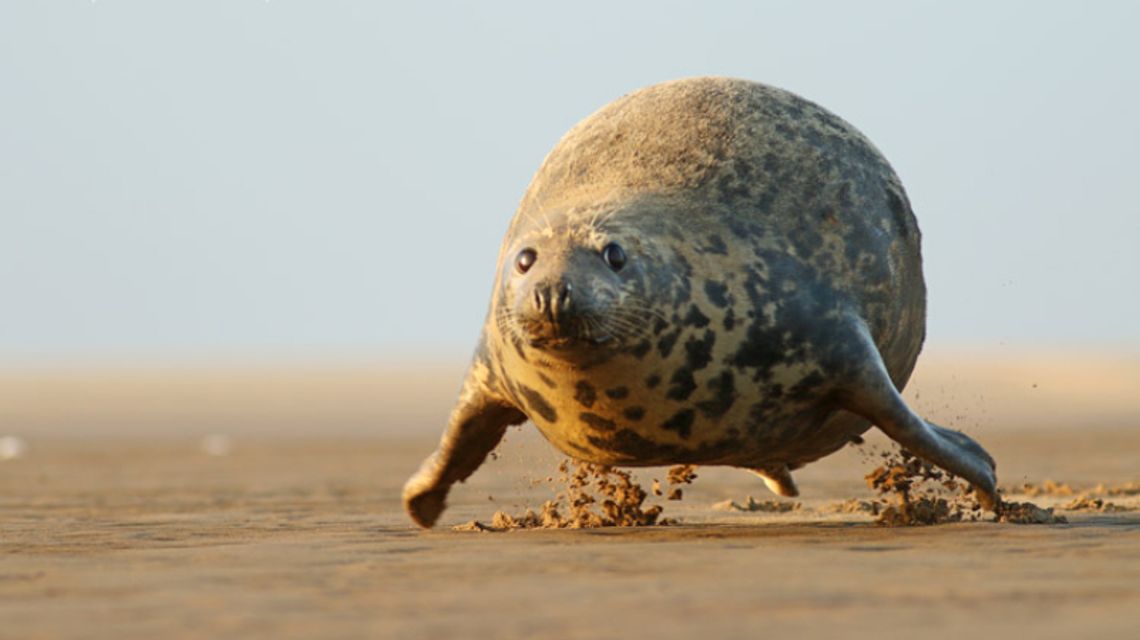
column 492, row 379
column 698, row 354
column 596, row 421
column 771, row 162
column 766, row 199
column 653, row 380
column 716, row 245
column 681, row 384
column 659, row 325
column 682, row 288
column 761, row 349
column 682, row 263
column 518, row 345
column 543, row 363
column 640, row 349
column 547, row 381
column 585, row 394
column 717, row 293
column 636, row 448
column 760, row 415
column 580, row 448
column 729, row 320
column 844, row 196
column 667, row 341
column 617, row 393
column 483, row 355
column 807, row 386
column 538, row 404
column 730, row 188
column 681, row 422
column 738, row 228
column 724, row 395
column 634, row 413
column 695, row 318
column 512, row 388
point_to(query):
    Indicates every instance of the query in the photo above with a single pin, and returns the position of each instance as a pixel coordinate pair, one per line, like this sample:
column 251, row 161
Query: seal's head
column 574, row 285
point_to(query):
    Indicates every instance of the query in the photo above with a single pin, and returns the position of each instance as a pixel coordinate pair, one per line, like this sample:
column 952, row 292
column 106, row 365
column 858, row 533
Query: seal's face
column 573, row 289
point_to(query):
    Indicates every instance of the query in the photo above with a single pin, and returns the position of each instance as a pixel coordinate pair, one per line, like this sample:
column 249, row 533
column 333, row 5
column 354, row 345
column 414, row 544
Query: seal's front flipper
column 871, row 394
column 476, row 426
column 778, row 479
column 964, row 441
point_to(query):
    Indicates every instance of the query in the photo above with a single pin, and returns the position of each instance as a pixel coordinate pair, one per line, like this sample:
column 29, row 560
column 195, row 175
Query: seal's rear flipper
column 778, row 479
column 964, row 441
column 871, row 394
column 476, row 426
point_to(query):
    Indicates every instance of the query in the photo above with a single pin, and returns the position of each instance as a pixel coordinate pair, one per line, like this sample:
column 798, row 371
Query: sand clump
column 682, row 474
column 913, row 492
column 1027, row 513
column 593, row 496
column 926, row 495
column 678, row 475
column 473, row 525
column 1047, row 488
column 1120, row 490
column 1099, row 505
column 1089, row 500
column 1062, row 489
column 752, row 505
column 854, row 505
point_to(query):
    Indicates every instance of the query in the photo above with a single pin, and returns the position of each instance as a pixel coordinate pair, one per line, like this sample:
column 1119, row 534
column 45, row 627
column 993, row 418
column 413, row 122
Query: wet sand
column 141, row 533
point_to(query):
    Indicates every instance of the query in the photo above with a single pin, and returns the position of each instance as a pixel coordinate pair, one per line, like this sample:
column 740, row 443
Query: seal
column 705, row 271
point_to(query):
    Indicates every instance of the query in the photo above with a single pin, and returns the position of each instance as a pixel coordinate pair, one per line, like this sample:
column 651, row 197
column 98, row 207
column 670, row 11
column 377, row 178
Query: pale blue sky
column 310, row 179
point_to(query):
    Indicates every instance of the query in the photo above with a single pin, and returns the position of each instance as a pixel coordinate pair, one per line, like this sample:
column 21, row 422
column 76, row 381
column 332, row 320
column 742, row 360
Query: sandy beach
column 265, row 503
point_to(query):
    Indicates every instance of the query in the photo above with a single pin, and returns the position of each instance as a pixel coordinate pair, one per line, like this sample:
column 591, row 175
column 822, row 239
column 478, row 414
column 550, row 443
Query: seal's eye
column 525, row 260
column 614, row 256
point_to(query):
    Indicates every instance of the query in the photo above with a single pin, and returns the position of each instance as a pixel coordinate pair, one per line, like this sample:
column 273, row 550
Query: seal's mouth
column 575, row 351
column 584, row 335
column 575, row 335
column 570, row 343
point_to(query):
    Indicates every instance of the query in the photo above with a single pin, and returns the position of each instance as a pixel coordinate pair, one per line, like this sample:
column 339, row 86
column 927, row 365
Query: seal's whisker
column 632, row 320
column 626, row 322
column 629, row 322
column 622, row 330
column 637, row 306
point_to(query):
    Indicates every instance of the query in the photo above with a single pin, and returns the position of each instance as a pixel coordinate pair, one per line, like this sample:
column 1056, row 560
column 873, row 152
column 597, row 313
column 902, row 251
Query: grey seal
column 706, row 271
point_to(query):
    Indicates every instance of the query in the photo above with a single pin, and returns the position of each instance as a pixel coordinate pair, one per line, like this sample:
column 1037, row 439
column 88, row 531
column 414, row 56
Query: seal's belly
column 642, row 413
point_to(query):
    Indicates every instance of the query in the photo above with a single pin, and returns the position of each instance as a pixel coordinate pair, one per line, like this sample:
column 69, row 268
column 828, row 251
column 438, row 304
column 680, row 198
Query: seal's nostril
column 560, row 300
column 538, row 300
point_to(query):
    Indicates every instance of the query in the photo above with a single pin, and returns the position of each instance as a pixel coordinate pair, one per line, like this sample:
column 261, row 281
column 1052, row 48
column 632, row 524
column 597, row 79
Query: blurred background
column 282, row 217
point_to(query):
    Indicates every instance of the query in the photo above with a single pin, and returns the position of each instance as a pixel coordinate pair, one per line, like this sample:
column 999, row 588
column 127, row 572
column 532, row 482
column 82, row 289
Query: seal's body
column 706, row 271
